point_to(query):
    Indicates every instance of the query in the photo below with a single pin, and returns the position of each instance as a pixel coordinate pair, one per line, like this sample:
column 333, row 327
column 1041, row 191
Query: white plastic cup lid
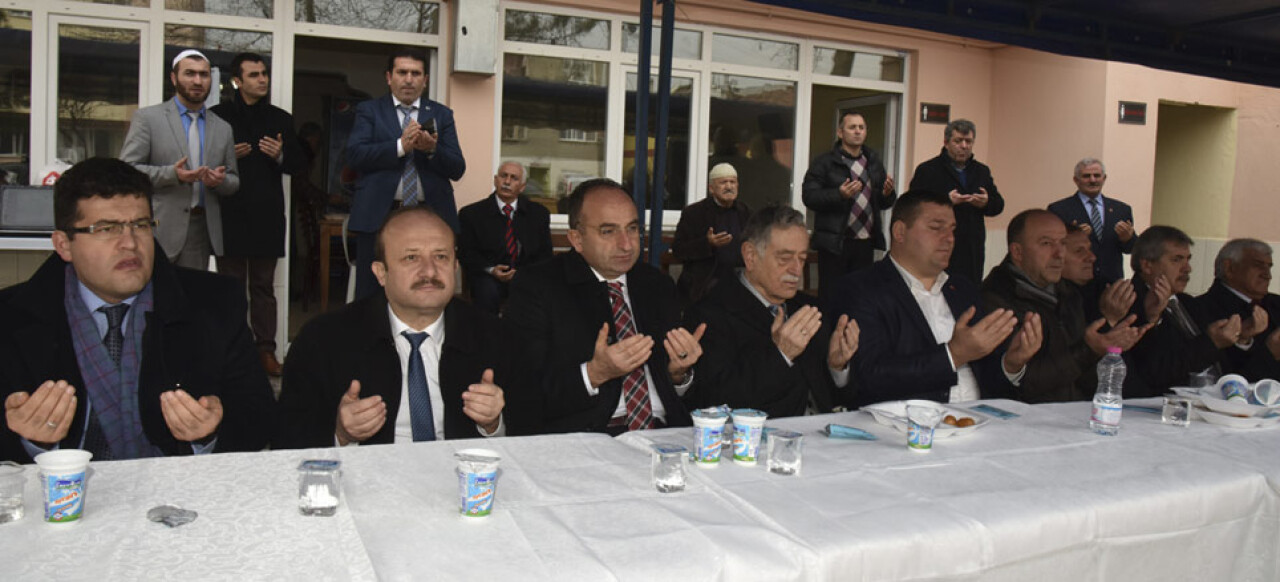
column 64, row 460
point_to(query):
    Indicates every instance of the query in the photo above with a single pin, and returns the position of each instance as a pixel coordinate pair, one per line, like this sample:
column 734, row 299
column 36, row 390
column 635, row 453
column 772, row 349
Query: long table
column 1037, row 497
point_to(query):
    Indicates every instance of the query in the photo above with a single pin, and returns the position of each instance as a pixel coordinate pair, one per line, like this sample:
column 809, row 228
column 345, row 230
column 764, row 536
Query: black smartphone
column 430, row 126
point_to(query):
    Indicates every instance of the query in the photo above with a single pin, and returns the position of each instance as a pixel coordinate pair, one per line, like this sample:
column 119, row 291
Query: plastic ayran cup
column 1267, row 392
column 62, row 477
column 708, row 436
column 748, row 425
column 1234, row 387
column 477, row 481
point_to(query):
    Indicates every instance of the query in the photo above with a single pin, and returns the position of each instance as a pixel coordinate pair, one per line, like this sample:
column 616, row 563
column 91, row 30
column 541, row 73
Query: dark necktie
column 512, row 249
column 635, row 389
column 1095, row 218
column 409, row 175
column 420, row 416
column 114, row 340
column 1182, row 318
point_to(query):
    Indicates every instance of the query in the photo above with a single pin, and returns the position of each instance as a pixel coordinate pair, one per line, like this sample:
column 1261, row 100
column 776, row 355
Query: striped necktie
column 512, row 248
column 409, row 185
column 635, row 388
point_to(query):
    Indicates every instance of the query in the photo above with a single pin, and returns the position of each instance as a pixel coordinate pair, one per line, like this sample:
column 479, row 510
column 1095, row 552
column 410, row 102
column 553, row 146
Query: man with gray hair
column 709, row 234
column 1242, row 277
column 1107, row 221
column 503, row 231
column 766, row 346
column 973, row 193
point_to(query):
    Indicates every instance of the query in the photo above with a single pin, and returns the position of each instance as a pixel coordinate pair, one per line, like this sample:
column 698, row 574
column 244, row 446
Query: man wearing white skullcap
column 707, row 236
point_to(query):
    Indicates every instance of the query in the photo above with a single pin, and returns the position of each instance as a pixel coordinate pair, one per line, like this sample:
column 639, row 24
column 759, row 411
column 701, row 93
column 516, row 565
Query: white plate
column 1231, row 421
column 894, row 414
column 1212, row 398
column 1186, row 391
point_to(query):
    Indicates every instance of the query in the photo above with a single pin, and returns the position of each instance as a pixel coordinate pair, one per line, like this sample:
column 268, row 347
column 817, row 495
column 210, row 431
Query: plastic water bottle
column 1107, row 402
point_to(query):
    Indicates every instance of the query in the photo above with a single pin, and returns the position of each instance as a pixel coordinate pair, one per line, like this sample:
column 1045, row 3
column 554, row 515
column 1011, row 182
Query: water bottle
column 1107, row 402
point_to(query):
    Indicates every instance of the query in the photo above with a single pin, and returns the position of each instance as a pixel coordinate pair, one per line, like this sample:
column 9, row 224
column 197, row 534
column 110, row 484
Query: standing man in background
column 253, row 223
column 503, row 231
column 191, row 161
column 1107, row 221
column 405, row 147
column 709, row 234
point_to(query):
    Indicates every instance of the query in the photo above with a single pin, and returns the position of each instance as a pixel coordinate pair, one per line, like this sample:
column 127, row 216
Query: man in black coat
column 1242, row 277
column 176, row 374
column 489, row 258
column 847, row 188
column 350, row 375
column 708, row 236
column 973, row 193
column 588, row 319
column 253, row 221
column 765, row 345
column 924, row 334
column 1115, row 236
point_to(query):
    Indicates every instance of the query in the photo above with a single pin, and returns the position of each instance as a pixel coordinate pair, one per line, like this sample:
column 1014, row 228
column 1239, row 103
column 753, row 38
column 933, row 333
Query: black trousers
column 855, row 255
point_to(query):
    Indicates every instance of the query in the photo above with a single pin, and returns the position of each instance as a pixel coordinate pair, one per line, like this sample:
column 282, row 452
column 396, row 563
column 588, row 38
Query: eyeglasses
column 114, row 228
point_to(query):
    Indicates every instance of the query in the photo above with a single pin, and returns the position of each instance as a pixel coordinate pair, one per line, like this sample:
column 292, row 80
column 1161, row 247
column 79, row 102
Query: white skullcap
column 185, row 54
column 722, row 171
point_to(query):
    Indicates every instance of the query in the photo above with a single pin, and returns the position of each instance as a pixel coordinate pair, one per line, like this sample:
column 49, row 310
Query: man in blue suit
column 1108, row 222
column 925, row 334
column 405, row 148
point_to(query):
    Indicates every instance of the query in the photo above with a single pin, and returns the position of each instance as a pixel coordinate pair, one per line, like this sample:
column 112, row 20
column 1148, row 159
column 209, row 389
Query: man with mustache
column 1029, row 281
column 408, row 363
column 1113, row 219
column 405, row 148
column 766, row 346
column 1183, row 339
column 1241, row 279
column 501, row 233
column 588, row 321
column 924, row 333
column 190, row 157
column 110, row 348
column 708, row 235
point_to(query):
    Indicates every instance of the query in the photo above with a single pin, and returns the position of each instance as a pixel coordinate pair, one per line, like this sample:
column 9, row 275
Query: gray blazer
column 154, row 143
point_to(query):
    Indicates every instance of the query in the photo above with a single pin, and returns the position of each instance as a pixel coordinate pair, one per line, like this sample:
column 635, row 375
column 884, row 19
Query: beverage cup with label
column 922, row 417
column 477, row 481
column 748, row 426
column 62, row 477
column 708, row 435
column 1234, row 388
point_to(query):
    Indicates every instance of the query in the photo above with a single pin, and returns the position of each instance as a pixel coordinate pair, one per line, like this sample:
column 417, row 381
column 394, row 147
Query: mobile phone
column 430, row 126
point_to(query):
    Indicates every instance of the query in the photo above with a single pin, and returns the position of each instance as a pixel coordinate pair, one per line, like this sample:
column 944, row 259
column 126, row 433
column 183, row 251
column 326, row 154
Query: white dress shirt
column 938, row 313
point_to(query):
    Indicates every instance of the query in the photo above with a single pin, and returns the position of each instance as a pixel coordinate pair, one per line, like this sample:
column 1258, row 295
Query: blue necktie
column 420, row 416
column 409, row 175
column 1095, row 219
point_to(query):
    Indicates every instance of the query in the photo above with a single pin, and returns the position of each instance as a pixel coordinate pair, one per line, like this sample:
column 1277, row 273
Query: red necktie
column 635, row 388
column 512, row 250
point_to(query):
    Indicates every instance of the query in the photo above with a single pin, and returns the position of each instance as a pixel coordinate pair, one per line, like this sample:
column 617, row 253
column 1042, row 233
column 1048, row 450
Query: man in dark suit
column 764, row 347
column 405, row 148
column 411, row 354
column 1242, row 277
column 587, row 320
column 110, row 348
column 504, row 231
column 973, row 193
column 847, row 188
column 1108, row 222
column 709, row 234
column 925, row 334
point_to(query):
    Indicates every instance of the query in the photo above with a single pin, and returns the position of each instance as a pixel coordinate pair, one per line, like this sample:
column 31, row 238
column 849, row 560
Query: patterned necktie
column 860, row 213
column 195, row 156
column 635, row 388
column 409, row 176
column 1095, row 218
column 114, row 340
column 512, row 249
column 421, row 418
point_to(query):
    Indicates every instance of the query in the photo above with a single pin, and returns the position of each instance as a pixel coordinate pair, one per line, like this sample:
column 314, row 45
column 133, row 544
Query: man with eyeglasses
column 110, row 348
column 590, row 320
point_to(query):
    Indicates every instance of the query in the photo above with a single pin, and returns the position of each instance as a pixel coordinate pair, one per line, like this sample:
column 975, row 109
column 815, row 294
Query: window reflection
column 250, row 8
column 828, row 61
column 556, row 29
column 220, row 45
column 752, row 127
column 687, row 44
column 679, row 132
column 755, row 52
column 15, row 96
column 554, row 113
column 398, row 15
column 97, row 89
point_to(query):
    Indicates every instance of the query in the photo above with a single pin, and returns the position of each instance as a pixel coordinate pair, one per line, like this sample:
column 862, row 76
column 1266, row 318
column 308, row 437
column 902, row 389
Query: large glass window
column 554, row 116
column 556, row 29
column 752, row 127
column 686, row 44
column 679, row 137
column 220, row 45
column 398, row 15
column 97, row 89
column 829, row 61
column 250, row 8
column 15, row 97
column 755, row 52
column 139, row 3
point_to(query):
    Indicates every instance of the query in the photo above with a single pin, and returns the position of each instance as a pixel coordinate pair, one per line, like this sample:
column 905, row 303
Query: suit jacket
column 1256, row 363
column 1106, row 245
column 701, row 264
column 154, row 143
column 1166, row 355
column 821, row 194
column 253, row 222
column 371, row 151
column 355, row 343
column 196, row 337
column 939, row 175
column 898, row 357
column 742, row 367
column 482, row 243
column 556, row 309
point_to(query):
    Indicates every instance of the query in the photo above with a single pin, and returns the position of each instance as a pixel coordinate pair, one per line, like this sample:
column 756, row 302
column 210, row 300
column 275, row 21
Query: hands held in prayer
column 43, row 417
column 243, row 149
column 978, row 200
column 683, row 351
column 1124, row 230
column 503, row 273
column 1123, row 335
column 190, row 419
column 483, row 402
column 973, row 342
column 610, row 361
column 414, row 137
column 1273, row 344
column 850, row 187
column 1025, row 343
column 844, row 343
column 1116, row 300
column 718, row 239
column 792, row 334
column 271, row 146
column 1157, row 299
column 1224, row 332
column 359, row 418
column 211, row 177
column 1255, row 324
column 888, row 186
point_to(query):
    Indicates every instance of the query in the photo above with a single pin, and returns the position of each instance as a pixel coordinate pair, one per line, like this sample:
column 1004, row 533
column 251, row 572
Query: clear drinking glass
column 1176, row 411
column 319, row 487
column 12, row 482
column 786, row 452
column 668, row 467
